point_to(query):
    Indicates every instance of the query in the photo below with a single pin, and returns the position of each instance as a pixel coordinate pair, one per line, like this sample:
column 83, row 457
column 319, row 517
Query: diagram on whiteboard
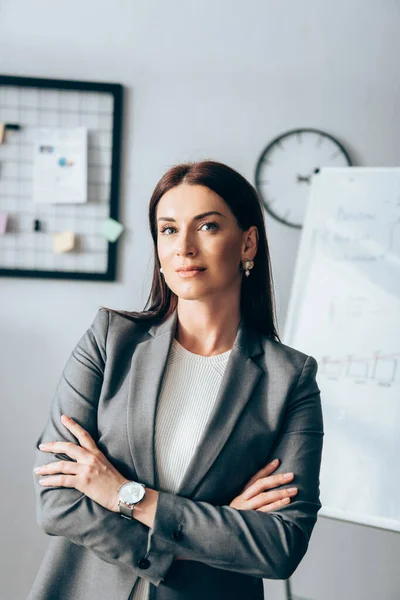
column 380, row 369
column 345, row 311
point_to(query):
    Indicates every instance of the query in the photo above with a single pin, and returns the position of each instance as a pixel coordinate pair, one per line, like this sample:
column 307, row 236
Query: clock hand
column 307, row 178
column 303, row 178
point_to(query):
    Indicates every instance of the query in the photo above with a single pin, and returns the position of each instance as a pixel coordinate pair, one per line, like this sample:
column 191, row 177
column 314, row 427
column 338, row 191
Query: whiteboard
column 344, row 310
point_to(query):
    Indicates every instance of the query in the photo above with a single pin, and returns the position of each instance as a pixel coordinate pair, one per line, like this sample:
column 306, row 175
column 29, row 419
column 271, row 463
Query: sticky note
column 111, row 229
column 63, row 242
column 3, row 222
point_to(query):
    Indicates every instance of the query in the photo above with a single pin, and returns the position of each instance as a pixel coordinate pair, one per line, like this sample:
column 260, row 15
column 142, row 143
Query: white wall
column 207, row 79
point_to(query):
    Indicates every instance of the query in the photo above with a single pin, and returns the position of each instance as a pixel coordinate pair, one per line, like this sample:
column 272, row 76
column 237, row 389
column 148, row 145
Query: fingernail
column 273, row 462
column 287, row 475
column 292, row 490
column 42, row 446
column 37, row 469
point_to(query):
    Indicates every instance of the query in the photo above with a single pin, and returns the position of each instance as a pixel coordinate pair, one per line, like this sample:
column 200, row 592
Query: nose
column 185, row 244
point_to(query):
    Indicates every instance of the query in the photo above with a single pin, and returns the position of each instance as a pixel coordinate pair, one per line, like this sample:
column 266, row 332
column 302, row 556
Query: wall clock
column 287, row 166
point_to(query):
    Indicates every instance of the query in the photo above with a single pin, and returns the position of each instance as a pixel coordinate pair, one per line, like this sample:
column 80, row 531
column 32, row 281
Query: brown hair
column 257, row 295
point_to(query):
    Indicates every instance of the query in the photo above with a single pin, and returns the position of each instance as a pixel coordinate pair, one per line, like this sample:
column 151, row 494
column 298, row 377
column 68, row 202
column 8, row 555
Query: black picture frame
column 116, row 90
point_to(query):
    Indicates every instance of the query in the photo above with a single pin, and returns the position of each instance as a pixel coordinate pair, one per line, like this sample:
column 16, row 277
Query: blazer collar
column 148, row 366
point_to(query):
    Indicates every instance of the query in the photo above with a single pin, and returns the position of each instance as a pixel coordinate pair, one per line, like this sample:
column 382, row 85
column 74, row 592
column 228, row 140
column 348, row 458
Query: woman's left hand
column 92, row 474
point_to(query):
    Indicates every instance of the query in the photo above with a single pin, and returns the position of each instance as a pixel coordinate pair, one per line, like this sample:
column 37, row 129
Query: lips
column 186, row 269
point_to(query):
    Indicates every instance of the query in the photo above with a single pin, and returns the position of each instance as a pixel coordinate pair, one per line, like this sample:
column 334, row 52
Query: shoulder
column 111, row 325
column 281, row 359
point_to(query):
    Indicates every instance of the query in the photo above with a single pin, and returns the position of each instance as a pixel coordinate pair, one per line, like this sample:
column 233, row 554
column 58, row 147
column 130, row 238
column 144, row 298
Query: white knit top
column 187, row 396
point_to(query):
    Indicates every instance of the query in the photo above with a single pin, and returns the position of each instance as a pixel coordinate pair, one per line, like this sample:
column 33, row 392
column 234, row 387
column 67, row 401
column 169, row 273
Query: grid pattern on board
column 22, row 247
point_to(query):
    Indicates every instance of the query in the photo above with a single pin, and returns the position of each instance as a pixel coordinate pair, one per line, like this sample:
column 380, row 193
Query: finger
column 68, row 481
column 68, row 448
column 264, row 472
column 270, row 497
column 61, row 466
column 275, row 505
column 85, row 439
column 267, row 483
column 269, row 468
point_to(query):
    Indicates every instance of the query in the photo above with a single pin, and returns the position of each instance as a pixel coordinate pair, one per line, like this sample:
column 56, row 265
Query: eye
column 210, row 223
column 165, row 229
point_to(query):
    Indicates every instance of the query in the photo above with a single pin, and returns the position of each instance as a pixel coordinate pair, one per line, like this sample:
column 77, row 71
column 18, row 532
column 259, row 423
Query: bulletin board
column 27, row 243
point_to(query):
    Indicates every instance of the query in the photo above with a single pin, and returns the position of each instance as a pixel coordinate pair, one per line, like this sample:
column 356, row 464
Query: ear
column 250, row 241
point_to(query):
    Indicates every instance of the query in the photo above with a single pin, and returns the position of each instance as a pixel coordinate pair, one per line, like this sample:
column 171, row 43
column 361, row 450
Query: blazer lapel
column 147, row 370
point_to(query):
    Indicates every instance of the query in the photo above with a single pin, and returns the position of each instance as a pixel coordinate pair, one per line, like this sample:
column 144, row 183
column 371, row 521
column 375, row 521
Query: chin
column 194, row 292
column 189, row 291
column 188, row 294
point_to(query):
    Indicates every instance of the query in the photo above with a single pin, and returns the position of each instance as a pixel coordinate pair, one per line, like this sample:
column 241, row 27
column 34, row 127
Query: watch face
column 287, row 166
column 131, row 492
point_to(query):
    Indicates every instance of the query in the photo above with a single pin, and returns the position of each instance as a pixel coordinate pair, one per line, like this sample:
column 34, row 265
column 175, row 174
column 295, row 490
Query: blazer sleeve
column 68, row 512
column 268, row 545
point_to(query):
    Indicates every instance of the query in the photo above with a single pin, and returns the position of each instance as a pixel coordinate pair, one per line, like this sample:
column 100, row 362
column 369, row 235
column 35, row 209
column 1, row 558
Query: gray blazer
column 268, row 406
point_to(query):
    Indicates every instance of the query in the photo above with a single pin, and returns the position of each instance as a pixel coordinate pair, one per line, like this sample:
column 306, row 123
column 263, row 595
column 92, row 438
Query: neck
column 207, row 329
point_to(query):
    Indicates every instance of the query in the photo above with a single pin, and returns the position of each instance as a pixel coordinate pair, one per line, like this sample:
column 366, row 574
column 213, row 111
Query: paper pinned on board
column 63, row 242
column 111, row 229
column 60, row 165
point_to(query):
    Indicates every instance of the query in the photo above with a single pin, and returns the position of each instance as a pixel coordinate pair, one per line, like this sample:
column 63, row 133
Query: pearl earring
column 161, row 271
column 247, row 265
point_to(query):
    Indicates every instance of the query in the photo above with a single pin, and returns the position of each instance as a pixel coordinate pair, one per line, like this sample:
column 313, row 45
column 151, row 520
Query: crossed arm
column 251, row 542
column 67, row 511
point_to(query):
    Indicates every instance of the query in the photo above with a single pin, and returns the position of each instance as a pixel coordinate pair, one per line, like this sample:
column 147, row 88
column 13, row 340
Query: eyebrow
column 196, row 218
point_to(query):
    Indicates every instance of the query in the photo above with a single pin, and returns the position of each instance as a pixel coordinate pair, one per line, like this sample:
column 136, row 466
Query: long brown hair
column 257, row 301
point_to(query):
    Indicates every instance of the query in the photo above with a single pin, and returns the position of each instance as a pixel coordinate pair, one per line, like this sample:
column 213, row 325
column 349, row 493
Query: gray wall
column 206, row 79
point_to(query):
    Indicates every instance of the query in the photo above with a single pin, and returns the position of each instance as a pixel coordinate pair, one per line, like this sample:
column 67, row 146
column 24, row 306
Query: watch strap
column 126, row 511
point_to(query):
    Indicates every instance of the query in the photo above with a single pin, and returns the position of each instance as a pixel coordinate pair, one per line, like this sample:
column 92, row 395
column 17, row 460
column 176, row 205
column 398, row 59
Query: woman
column 170, row 418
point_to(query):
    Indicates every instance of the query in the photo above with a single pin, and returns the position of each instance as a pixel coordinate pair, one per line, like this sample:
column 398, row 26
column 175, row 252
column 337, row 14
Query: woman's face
column 196, row 228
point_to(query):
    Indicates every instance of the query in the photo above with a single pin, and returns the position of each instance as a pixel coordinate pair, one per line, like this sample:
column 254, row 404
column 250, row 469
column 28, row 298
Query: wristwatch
column 130, row 494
